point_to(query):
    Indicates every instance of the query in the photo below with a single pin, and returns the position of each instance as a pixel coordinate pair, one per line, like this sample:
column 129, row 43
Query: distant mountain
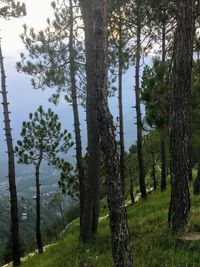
column 25, row 179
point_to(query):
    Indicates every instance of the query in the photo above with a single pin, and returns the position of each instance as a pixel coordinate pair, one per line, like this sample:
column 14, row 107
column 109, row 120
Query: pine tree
column 11, row 170
column 139, row 23
column 56, row 59
column 118, row 42
column 42, row 139
column 11, row 8
column 156, row 95
column 163, row 16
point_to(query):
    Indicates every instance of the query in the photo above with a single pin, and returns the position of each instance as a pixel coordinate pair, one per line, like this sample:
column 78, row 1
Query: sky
column 24, row 99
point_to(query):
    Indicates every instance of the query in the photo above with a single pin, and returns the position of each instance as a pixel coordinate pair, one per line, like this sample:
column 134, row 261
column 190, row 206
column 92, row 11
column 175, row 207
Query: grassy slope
column 152, row 242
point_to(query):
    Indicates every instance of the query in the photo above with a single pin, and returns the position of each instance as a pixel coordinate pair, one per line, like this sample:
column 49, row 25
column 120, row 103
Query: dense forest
column 112, row 206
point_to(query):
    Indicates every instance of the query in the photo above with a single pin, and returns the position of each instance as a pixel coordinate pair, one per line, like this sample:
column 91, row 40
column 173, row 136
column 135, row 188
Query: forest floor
column 152, row 242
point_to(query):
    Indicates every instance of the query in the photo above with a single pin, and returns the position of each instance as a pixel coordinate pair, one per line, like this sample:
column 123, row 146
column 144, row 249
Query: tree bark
column 120, row 236
column 11, row 171
column 180, row 127
column 162, row 142
column 94, row 15
column 38, row 213
column 138, row 108
column 90, row 215
column 120, row 102
column 79, row 159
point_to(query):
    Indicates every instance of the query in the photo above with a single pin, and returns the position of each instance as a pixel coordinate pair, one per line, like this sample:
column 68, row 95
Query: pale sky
column 37, row 13
column 24, row 99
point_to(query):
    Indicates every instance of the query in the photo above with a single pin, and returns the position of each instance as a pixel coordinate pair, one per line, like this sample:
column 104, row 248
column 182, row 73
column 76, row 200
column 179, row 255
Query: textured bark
column 94, row 13
column 180, row 127
column 11, row 171
column 138, row 108
column 79, row 159
column 120, row 102
column 38, row 213
column 90, row 215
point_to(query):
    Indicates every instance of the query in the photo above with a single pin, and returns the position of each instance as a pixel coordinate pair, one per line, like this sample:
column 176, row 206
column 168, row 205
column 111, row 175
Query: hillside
column 152, row 242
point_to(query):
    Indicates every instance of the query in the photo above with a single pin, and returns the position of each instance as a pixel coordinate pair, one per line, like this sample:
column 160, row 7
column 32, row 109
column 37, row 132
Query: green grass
column 152, row 242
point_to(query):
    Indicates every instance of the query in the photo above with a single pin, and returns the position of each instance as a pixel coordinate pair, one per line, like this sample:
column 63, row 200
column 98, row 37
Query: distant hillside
column 25, row 177
column 26, row 181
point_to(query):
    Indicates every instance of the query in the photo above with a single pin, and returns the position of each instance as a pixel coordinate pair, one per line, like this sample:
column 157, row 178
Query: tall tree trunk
column 61, row 214
column 11, row 171
column 154, row 175
column 120, row 101
column 90, row 215
column 120, row 236
column 180, row 127
column 79, row 159
column 162, row 142
column 138, row 108
column 131, row 190
column 163, row 160
column 94, row 15
column 38, row 213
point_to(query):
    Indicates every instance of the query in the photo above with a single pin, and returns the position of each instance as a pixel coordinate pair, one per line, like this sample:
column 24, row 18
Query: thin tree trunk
column 90, row 216
column 180, row 127
column 81, row 173
column 11, row 171
column 61, row 213
column 162, row 142
column 163, row 160
column 164, row 39
column 38, row 214
column 120, row 101
column 131, row 190
column 138, row 108
column 154, row 175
